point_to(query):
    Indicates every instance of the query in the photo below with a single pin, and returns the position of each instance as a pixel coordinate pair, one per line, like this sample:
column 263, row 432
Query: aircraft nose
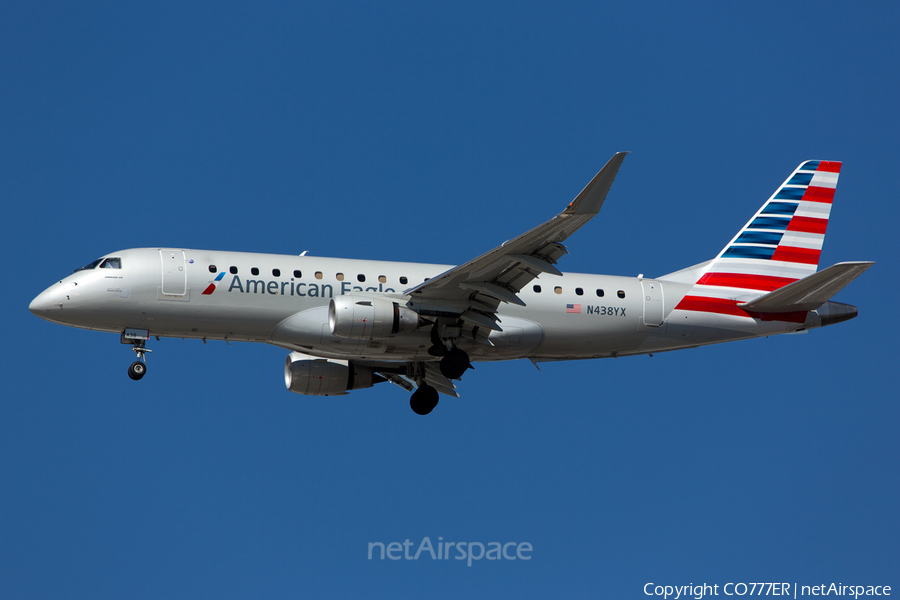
column 43, row 303
column 40, row 304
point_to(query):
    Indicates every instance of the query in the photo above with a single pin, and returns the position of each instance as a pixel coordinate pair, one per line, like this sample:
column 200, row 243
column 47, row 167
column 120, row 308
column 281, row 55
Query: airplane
column 350, row 324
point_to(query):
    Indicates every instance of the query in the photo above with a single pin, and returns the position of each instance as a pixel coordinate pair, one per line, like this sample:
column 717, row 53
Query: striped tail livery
column 778, row 247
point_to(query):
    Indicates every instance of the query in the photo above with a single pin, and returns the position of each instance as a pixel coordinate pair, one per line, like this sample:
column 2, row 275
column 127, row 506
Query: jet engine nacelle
column 304, row 374
column 369, row 318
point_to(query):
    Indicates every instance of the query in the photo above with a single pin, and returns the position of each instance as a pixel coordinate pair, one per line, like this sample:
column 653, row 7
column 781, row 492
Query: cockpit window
column 112, row 263
column 87, row 267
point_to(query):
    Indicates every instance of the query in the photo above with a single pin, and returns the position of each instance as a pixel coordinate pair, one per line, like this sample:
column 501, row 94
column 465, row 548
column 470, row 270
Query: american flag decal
column 573, row 308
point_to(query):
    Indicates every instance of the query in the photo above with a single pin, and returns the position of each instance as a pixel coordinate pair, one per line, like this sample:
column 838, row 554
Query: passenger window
column 298, row 274
column 233, row 270
column 340, row 276
column 212, row 268
column 361, row 278
column 620, row 294
column 537, row 289
column 254, row 271
column 599, row 293
column 579, row 292
column 382, row 279
column 404, row 280
column 319, row 275
column 276, row 272
column 558, row 290
column 112, row 263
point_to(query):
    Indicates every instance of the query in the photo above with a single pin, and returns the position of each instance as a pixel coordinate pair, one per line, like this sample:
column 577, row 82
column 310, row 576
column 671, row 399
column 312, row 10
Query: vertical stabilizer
column 778, row 246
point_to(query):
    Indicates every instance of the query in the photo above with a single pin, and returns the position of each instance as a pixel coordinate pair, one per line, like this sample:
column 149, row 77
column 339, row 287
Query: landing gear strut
column 424, row 400
column 139, row 367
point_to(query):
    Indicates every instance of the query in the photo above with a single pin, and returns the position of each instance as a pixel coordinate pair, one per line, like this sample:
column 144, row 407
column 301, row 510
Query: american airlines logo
column 212, row 285
column 289, row 288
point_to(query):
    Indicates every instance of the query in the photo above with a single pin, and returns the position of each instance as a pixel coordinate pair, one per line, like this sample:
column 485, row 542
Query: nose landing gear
column 139, row 367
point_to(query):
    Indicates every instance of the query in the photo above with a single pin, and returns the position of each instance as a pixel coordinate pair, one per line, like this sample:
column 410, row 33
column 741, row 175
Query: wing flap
column 810, row 292
column 435, row 379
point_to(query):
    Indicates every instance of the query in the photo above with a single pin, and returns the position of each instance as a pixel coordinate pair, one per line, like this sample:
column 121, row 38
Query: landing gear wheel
column 424, row 400
column 137, row 370
column 454, row 364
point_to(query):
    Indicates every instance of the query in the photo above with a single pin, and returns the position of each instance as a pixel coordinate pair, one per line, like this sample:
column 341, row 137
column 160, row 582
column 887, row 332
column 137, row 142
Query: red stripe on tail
column 808, row 225
column 807, row 256
column 723, row 306
column 819, row 194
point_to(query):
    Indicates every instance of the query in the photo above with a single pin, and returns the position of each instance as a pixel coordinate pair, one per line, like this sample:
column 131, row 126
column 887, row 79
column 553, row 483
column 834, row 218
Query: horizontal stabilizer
column 810, row 292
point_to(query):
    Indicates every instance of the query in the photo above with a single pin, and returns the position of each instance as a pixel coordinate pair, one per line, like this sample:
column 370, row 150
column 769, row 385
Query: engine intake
column 310, row 376
column 369, row 318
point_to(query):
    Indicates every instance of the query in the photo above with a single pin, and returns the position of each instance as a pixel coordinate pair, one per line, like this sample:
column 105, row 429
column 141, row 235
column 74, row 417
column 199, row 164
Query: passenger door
column 174, row 272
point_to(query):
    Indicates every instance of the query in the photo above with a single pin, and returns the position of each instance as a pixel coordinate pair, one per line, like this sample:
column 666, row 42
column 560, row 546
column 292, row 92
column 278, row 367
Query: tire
column 424, row 400
column 137, row 370
column 454, row 364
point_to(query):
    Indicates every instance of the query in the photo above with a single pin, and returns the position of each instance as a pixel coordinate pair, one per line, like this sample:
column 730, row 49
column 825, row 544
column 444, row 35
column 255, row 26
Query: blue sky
column 432, row 133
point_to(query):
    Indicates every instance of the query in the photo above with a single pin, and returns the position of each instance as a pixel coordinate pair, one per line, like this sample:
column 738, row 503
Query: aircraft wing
column 474, row 290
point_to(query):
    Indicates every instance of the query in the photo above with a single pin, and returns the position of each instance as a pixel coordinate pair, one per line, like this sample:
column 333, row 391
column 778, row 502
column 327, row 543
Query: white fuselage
column 283, row 300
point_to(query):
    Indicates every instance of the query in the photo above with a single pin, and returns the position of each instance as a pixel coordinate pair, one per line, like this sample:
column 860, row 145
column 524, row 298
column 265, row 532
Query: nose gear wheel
column 137, row 370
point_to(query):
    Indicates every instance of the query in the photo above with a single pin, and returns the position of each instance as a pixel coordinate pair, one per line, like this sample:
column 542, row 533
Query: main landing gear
column 424, row 400
column 455, row 363
column 139, row 367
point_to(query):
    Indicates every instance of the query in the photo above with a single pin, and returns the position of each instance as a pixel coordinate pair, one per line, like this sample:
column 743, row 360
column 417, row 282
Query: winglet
column 591, row 198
